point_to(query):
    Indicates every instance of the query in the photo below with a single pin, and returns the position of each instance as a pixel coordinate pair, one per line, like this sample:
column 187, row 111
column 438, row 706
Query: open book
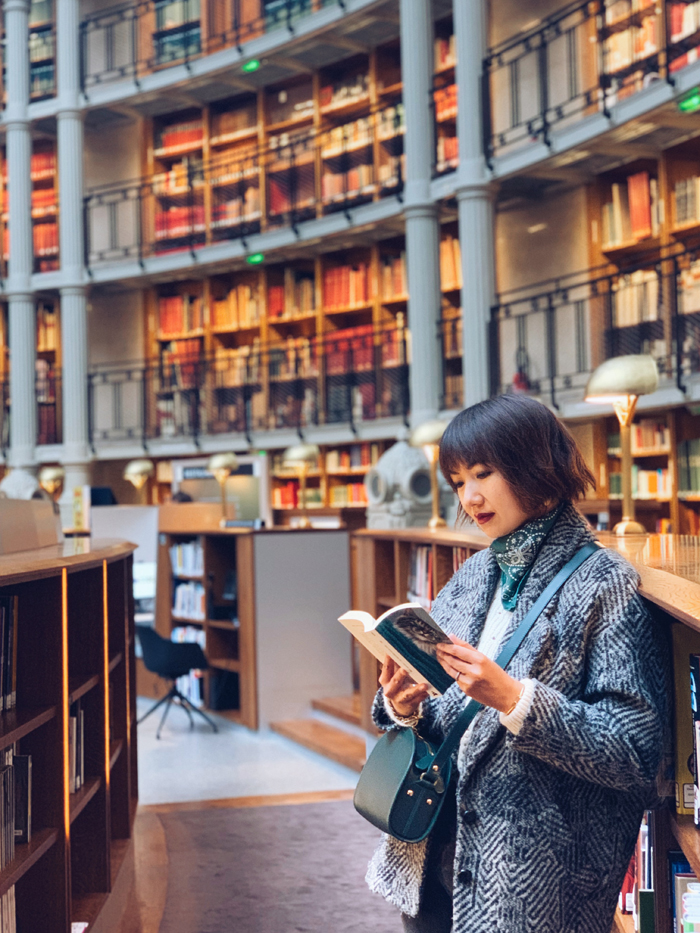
column 408, row 635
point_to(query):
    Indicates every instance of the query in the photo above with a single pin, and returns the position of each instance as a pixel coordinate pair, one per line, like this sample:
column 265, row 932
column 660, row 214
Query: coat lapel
column 566, row 537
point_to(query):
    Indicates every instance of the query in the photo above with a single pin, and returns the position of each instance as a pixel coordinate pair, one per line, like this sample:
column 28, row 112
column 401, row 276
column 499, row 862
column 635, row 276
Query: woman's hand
column 404, row 695
column 478, row 676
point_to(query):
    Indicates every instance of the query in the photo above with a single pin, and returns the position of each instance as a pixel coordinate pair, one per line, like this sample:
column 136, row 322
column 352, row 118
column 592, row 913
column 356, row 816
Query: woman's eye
column 483, row 474
column 459, row 485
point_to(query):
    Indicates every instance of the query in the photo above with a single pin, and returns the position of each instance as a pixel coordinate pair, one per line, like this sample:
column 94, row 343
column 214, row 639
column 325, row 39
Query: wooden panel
column 245, row 568
column 442, row 565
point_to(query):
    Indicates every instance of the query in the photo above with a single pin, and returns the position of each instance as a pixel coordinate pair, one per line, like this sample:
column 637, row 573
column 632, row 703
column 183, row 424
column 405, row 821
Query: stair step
column 346, row 708
column 325, row 740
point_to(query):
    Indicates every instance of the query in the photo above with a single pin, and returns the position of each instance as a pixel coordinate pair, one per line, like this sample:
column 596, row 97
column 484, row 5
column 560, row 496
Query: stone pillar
column 422, row 228
column 22, row 314
column 474, row 200
column 74, row 336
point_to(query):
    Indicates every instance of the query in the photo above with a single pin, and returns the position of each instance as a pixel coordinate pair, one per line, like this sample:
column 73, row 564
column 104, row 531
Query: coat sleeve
column 613, row 735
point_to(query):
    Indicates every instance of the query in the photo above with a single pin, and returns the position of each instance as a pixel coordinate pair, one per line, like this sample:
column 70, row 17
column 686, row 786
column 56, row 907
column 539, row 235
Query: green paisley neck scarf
column 515, row 554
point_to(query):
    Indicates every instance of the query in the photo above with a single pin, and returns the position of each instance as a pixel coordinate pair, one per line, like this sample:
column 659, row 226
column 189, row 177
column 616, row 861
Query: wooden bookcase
column 74, row 600
column 228, row 623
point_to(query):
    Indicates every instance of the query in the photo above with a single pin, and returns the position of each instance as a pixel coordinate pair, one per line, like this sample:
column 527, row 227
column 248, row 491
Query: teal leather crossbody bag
column 402, row 786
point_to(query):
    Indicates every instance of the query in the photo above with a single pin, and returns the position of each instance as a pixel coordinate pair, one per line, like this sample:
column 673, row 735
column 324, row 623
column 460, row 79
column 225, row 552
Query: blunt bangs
column 525, row 442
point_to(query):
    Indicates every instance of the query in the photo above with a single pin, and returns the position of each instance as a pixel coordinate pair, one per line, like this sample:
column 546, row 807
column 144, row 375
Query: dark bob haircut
column 525, row 442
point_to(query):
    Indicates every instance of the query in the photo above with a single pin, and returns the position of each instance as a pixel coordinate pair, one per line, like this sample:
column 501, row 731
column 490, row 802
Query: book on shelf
column 22, row 765
column 689, row 288
column 686, row 643
column 636, row 298
column 634, row 211
column 683, row 19
column 43, row 165
column 189, row 601
column 346, row 286
column 348, row 494
column 239, row 120
column 45, row 236
column 450, row 262
column 187, row 558
column 299, row 293
column 420, row 574
column 183, row 175
column 296, row 359
column 353, row 182
column 344, row 92
column 452, row 337
column 445, row 103
column 175, row 221
column 459, row 555
column 637, row 893
column 646, row 484
column 358, row 457
column 392, row 276
column 76, row 747
column 689, row 467
column 241, row 209
column 391, row 122
column 633, row 44
column 349, row 136
column 180, row 364
column 646, row 435
column 349, row 350
column 394, row 345
column 46, row 327
column 8, row 653
column 177, row 135
column 178, row 314
column 408, row 635
column 286, row 496
column 444, row 53
column 190, row 685
column 238, row 366
column 240, row 308
column 447, row 152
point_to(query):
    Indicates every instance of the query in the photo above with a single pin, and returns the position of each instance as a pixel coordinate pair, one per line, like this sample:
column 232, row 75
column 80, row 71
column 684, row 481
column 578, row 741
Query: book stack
column 689, row 288
column 445, row 103
column 238, row 210
column 179, row 314
column 445, row 53
column 350, row 350
column 296, row 359
column 181, row 136
column 45, row 238
column 348, row 494
column 286, row 496
column 392, row 276
column 238, row 366
column 459, row 555
column 447, row 153
column 76, row 747
column 46, row 327
column 391, row 122
column 187, row 559
column 634, row 211
column 450, row 263
column 299, row 293
column 340, row 139
column 347, row 91
column 189, row 601
column 43, row 165
column 189, row 173
column 44, row 200
column 636, row 298
column 190, row 685
column 420, row 575
column 394, row 345
column 174, row 222
column 239, row 309
column 346, row 286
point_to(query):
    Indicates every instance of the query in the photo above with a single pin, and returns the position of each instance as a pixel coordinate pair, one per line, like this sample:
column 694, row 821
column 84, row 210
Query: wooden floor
column 340, row 746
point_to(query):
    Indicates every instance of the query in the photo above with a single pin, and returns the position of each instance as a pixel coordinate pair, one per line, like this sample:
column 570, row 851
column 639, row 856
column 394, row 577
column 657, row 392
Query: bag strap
column 433, row 766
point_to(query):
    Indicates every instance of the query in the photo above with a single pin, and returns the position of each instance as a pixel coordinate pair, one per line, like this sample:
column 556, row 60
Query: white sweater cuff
column 514, row 721
column 409, row 721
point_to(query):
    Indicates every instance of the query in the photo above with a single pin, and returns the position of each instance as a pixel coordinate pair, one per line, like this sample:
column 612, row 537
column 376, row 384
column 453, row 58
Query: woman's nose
column 472, row 496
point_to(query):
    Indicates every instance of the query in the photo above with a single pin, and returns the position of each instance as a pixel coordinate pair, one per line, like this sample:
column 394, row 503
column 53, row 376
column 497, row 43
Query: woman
column 553, row 775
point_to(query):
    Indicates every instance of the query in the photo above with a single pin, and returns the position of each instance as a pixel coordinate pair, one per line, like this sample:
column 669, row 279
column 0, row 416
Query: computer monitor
column 248, row 489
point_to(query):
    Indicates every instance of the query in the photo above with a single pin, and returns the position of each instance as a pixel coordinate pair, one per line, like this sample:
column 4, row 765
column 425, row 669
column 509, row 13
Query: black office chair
column 171, row 660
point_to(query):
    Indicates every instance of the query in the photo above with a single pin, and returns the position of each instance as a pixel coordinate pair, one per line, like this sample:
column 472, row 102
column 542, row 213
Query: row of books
column 445, row 103
column 180, row 363
column 618, row 10
column 8, row 653
column 287, row 496
column 459, row 555
column 183, row 175
column 356, row 181
column 358, row 457
column 346, row 286
column 189, row 601
column 348, row 136
column 347, row 494
column 178, row 314
column 392, row 276
column 444, row 53
column 344, row 92
column 8, row 912
column 41, row 45
column 686, row 201
column 450, row 263
column 689, row 466
column 634, row 211
column 452, row 338
column 285, row 192
column 637, row 893
column 42, row 79
column 689, row 289
column 297, row 359
column 45, row 237
column 240, row 308
column 454, row 390
column 238, row 366
column 646, row 484
column 683, row 19
column 46, row 327
column 239, row 210
column 647, row 434
column 630, row 45
column 187, row 558
column 76, row 747
column 182, row 134
column 295, row 298
column 447, row 152
column 190, row 685
column 175, row 221
column 635, row 298
column 391, row 121
column 234, row 121
column 420, row 575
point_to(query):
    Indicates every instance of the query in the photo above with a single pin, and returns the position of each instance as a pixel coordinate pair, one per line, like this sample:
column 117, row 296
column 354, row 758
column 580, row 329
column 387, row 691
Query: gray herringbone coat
column 559, row 805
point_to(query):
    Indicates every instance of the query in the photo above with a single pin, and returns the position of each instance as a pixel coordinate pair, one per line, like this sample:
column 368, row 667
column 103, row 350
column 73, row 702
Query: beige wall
column 509, row 17
column 115, row 322
column 112, row 152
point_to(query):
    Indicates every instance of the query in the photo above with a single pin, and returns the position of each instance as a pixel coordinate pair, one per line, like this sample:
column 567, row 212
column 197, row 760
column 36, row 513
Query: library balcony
column 244, row 188
column 582, row 71
column 345, row 377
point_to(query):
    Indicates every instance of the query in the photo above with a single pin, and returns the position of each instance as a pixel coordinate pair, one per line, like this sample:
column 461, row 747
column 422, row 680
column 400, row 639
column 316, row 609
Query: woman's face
column 487, row 498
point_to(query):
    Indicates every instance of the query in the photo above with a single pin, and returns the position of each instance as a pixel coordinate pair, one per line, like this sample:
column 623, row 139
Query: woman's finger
column 388, row 670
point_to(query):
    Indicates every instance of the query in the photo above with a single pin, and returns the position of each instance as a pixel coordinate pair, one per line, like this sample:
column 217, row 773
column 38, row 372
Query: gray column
column 22, row 315
column 74, row 337
column 422, row 229
column 474, row 200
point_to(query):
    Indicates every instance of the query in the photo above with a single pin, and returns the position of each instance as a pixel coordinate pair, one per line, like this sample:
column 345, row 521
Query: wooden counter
column 74, row 554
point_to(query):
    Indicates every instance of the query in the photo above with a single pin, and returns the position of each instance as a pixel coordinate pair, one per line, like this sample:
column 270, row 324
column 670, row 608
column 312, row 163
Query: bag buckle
column 433, row 779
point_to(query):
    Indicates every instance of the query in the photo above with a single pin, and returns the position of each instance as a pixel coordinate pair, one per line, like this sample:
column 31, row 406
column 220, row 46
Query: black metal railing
column 249, row 191
column 452, row 378
column 579, row 61
column 133, row 39
column 47, row 391
column 343, row 377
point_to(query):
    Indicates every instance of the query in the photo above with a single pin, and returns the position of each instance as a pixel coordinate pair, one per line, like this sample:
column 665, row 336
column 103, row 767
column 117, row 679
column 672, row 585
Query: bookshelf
column 205, row 589
column 44, row 198
column 76, row 602
column 451, row 316
column 445, row 97
column 48, row 368
column 631, row 36
column 42, row 49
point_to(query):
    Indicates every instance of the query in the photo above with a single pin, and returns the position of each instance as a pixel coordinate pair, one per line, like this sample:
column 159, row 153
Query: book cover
column 409, row 635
